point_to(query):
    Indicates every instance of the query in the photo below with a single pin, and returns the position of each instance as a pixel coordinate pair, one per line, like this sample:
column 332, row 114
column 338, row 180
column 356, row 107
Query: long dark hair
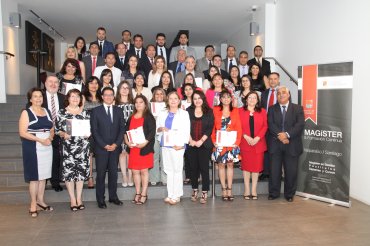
column 146, row 110
column 259, row 76
column 222, row 93
column 183, row 89
column 205, row 106
column 257, row 107
column 104, row 73
column 209, row 70
column 87, row 93
column 214, row 76
column 74, row 63
column 130, row 97
column 170, row 86
column 83, row 50
column 238, row 77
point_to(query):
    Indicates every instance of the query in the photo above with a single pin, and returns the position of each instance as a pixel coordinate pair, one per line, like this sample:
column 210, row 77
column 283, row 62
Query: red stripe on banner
column 309, row 92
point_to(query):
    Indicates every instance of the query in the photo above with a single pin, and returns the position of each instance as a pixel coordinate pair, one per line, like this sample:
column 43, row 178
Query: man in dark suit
column 230, row 60
column 268, row 99
column 161, row 49
column 104, row 45
column 53, row 100
column 138, row 50
column 93, row 60
column 107, row 128
column 121, row 59
column 217, row 61
column 146, row 63
column 262, row 62
column 286, row 123
column 179, row 65
column 126, row 39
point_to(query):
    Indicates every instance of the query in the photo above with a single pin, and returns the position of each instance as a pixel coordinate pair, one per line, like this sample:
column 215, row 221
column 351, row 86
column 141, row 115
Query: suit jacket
column 266, row 69
column 260, row 129
column 179, row 80
column 202, row 65
column 87, row 60
column 207, row 125
column 294, row 124
column 107, row 47
column 190, row 51
column 173, row 66
column 119, row 65
column 60, row 101
column 104, row 131
column 168, row 53
column 145, row 66
column 224, row 74
column 132, row 52
column 226, row 61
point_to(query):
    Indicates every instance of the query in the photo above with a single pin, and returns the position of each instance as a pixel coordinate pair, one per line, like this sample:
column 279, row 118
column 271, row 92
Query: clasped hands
column 283, row 137
column 252, row 141
column 196, row 143
column 111, row 147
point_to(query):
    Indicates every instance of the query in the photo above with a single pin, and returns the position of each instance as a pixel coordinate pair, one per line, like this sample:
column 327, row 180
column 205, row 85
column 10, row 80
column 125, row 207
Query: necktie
column 230, row 65
column 272, row 98
column 179, row 68
column 151, row 61
column 121, row 59
column 283, row 121
column 161, row 50
column 101, row 47
column 109, row 115
column 93, row 65
column 138, row 53
column 259, row 62
column 53, row 110
column 209, row 63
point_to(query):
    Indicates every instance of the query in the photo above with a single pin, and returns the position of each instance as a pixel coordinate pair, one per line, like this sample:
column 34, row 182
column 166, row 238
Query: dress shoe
column 272, row 197
column 263, row 177
column 116, row 202
column 102, row 204
column 289, row 199
column 57, row 188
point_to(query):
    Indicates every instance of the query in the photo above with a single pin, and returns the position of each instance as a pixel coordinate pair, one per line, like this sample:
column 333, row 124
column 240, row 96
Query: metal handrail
column 295, row 81
column 6, row 53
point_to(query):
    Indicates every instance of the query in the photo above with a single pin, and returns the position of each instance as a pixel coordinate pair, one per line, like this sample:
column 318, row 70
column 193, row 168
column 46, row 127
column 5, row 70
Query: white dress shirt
column 115, row 71
column 110, row 109
column 56, row 101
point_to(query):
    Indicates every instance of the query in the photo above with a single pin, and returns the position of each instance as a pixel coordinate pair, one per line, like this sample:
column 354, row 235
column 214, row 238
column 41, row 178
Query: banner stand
column 323, row 199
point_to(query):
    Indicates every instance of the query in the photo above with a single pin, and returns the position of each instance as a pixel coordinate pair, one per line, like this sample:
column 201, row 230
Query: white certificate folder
column 136, row 136
column 78, row 128
column 173, row 138
column 226, row 138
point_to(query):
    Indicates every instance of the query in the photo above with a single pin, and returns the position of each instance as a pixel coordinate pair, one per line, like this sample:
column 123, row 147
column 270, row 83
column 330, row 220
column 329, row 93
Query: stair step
column 11, row 164
column 9, row 138
column 9, row 126
column 11, row 150
column 16, row 99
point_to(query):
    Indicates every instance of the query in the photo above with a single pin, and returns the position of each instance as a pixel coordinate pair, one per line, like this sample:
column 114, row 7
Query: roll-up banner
column 325, row 92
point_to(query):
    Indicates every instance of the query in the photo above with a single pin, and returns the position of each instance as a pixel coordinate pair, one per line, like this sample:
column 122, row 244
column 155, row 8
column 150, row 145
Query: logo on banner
column 309, row 92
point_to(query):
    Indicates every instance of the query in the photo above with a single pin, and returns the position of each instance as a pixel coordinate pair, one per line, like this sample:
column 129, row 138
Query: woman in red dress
column 141, row 155
column 253, row 144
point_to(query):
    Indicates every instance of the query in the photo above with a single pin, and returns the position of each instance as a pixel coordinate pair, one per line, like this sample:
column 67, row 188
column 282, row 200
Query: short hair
column 257, row 46
column 243, row 52
column 69, row 94
column 107, row 89
column 209, row 46
column 30, row 92
column 138, row 36
column 101, row 29
column 184, row 33
column 160, row 34
column 217, row 55
column 83, row 50
column 257, row 107
column 190, row 57
column 94, row 43
column 150, row 45
column 276, row 73
column 116, row 46
column 110, row 53
column 168, row 97
column 126, row 31
column 230, row 46
column 283, row 87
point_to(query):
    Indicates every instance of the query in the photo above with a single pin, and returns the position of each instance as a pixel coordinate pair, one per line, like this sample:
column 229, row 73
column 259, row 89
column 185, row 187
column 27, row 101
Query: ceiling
column 208, row 21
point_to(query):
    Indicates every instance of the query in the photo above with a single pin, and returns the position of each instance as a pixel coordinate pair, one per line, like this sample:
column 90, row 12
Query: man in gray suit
column 189, row 68
column 93, row 60
column 230, row 60
column 183, row 40
column 205, row 62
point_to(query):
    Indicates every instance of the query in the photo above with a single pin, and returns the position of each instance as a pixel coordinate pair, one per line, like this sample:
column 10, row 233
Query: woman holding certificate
column 73, row 126
column 70, row 76
column 212, row 94
column 226, row 137
column 173, row 128
column 200, row 144
column 253, row 143
column 140, row 137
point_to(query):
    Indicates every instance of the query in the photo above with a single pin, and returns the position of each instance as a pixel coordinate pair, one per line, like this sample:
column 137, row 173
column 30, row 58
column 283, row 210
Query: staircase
column 13, row 188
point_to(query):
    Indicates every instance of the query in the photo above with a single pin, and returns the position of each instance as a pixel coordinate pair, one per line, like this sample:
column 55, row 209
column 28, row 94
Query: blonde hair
column 155, row 61
column 74, row 50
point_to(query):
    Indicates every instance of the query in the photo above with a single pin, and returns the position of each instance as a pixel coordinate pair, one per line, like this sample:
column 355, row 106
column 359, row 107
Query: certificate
column 78, row 128
column 173, row 138
column 226, row 138
column 157, row 107
column 199, row 82
column 185, row 104
column 69, row 86
column 136, row 135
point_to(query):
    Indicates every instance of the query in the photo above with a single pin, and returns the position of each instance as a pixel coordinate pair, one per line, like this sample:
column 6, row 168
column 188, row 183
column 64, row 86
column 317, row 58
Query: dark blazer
column 294, row 124
column 60, row 101
column 119, row 65
column 145, row 66
column 103, row 131
column 208, row 121
column 107, row 47
column 224, row 74
column 266, row 69
column 168, row 52
column 172, row 66
column 87, row 60
column 226, row 61
column 149, row 128
column 132, row 52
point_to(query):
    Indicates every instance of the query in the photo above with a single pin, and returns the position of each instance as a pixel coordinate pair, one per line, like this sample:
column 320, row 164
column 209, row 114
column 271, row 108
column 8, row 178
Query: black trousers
column 187, row 164
column 56, row 168
column 290, row 164
column 106, row 161
column 199, row 159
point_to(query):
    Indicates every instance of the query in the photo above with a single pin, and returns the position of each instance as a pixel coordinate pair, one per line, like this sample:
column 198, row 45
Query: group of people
column 179, row 107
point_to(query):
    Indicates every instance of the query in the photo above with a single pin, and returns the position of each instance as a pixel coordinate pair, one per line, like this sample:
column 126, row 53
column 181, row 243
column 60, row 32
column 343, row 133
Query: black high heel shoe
column 33, row 214
column 45, row 208
column 140, row 202
column 136, row 198
column 74, row 208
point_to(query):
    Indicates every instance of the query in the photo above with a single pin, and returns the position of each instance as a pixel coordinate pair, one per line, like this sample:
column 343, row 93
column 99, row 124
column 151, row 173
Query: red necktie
column 93, row 65
column 272, row 97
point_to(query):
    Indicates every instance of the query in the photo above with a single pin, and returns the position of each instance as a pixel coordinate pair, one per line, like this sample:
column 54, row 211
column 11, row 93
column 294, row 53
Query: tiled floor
column 240, row 222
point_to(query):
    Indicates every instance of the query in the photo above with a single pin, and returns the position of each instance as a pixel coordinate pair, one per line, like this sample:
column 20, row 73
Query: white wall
column 315, row 31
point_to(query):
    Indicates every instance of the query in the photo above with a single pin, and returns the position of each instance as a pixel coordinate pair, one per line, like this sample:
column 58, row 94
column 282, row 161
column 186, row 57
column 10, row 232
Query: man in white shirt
column 243, row 60
column 110, row 59
column 183, row 40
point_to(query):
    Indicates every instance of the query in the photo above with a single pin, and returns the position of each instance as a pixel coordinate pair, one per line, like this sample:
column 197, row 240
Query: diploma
column 173, row 138
column 136, row 136
column 199, row 82
column 78, row 128
column 157, row 107
column 226, row 138
column 185, row 104
column 69, row 86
